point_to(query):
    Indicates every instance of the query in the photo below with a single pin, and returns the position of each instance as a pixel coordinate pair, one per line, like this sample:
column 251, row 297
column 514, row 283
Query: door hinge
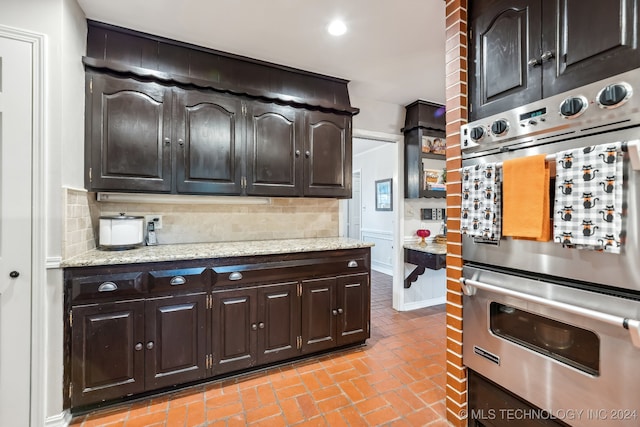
column 368, row 327
column 91, row 85
column 209, row 302
column 470, row 107
column 70, row 318
column 470, row 33
column 90, row 174
column 299, row 342
column 70, row 390
column 299, row 289
column 243, row 182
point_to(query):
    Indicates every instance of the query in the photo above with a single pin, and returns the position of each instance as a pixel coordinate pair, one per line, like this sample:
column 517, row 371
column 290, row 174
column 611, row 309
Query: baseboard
column 61, row 420
column 425, row 303
column 384, row 269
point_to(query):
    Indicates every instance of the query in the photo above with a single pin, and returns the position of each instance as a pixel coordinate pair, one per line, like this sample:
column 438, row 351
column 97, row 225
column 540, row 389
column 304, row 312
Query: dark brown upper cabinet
column 327, row 155
column 208, row 143
column 274, row 150
column 525, row 50
column 166, row 116
column 128, row 135
column 423, row 119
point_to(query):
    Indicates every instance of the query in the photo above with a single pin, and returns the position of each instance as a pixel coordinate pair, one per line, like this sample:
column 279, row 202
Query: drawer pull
column 178, row 280
column 107, row 287
column 352, row 264
column 235, row 276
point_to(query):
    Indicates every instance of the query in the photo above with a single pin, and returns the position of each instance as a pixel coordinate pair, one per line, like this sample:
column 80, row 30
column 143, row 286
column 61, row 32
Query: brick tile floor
column 397, row 379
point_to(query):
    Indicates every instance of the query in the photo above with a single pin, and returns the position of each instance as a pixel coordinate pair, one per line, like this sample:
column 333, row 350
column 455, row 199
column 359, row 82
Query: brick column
column 456, row 102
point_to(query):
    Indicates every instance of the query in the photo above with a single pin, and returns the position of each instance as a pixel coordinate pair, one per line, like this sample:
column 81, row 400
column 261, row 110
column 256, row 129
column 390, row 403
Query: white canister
column 122, row 231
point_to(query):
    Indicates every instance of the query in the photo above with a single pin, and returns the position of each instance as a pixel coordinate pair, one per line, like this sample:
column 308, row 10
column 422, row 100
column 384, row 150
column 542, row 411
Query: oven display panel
column 565, row 343
column 533, row 114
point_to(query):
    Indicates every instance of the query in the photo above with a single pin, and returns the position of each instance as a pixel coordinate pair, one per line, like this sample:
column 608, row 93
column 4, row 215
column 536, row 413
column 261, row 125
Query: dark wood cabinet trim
column 123, row 50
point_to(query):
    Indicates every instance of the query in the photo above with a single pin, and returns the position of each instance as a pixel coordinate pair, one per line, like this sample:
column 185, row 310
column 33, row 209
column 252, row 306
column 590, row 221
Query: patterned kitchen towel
column 588, row 197
column 481, row 213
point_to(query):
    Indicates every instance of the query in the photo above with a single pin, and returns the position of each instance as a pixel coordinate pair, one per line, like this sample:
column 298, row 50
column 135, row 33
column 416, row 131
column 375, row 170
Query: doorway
column 374, row 159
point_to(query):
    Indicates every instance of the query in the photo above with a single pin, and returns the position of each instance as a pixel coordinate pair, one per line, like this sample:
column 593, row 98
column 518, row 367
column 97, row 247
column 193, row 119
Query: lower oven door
column 565, row 350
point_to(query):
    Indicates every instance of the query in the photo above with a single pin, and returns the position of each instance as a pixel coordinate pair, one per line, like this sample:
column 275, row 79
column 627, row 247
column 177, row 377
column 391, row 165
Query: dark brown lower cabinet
column 175, row 335
column 255, row 325
column 107, row 351
column 124, row 348
column 335, row 311
column 187, row 321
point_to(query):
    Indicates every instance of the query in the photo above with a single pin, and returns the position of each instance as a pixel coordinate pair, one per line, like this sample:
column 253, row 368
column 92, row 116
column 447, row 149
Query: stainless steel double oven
column 557, row 328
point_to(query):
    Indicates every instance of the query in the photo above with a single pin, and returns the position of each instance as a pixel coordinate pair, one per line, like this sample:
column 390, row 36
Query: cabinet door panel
column 353, row 308
column 176, row 329
column 505, row 36
column 209, row 155
column 274, row 141
column 318, row 317
column 233, row 338
column 105, row 362
column 596, row 40
column 328, row 155
column 278, row 322
column 129, row 122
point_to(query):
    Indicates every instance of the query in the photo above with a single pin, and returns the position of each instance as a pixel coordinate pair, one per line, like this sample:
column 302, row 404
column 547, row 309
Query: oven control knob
column 500, row 127
column 477, row 133
column 614, row 95
column 573, row 107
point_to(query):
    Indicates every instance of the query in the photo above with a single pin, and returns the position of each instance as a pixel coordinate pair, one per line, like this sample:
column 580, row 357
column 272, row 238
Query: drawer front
column 182, row 279
column 107, row 286
column 247, row 274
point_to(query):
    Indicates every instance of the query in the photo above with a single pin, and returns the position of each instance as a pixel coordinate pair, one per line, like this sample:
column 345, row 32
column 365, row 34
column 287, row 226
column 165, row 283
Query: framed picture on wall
column 384, row 192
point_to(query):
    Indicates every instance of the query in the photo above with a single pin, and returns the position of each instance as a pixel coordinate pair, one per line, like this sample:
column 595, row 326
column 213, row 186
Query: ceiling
column 392, row 52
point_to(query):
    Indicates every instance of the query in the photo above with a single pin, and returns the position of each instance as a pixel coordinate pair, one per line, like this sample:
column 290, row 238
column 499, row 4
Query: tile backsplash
column 78, row 233
column 281, row 218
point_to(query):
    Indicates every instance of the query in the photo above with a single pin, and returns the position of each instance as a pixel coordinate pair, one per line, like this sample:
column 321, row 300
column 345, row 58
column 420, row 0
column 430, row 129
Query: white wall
column 377, row 226
column 62, row 23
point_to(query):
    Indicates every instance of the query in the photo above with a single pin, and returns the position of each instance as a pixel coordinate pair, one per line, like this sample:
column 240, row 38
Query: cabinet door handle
column 307, row 154
column 261, row 325
column 254, row 327
column 340, row 311
column 107, row 287
column 150, row 345
column 352, row 264
column 335, row 312
column 178, row 280
column 236, row 275
column 138, row 346
column 546, row 56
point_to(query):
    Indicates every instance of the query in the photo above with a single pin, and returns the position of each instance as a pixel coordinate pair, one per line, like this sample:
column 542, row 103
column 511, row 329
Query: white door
column 354, row 207
column 15, row 231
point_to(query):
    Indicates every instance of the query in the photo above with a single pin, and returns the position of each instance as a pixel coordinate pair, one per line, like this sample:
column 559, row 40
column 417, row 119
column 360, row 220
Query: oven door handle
column 469, row 287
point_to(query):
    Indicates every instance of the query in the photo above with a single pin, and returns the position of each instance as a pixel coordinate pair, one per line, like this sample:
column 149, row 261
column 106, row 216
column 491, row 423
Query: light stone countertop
column 431, row 248
column 186, row 251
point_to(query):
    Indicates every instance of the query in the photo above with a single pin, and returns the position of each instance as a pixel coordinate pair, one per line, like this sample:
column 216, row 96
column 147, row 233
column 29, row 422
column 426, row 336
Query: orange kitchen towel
column 525, row 198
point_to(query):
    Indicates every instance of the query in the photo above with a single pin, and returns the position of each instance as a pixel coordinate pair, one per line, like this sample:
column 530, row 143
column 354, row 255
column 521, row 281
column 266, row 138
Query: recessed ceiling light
column 337, row 28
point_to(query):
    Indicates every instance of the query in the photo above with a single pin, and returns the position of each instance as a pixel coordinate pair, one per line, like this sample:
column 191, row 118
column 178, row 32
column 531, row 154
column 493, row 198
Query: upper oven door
column 528, row 336
column 616, row 270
